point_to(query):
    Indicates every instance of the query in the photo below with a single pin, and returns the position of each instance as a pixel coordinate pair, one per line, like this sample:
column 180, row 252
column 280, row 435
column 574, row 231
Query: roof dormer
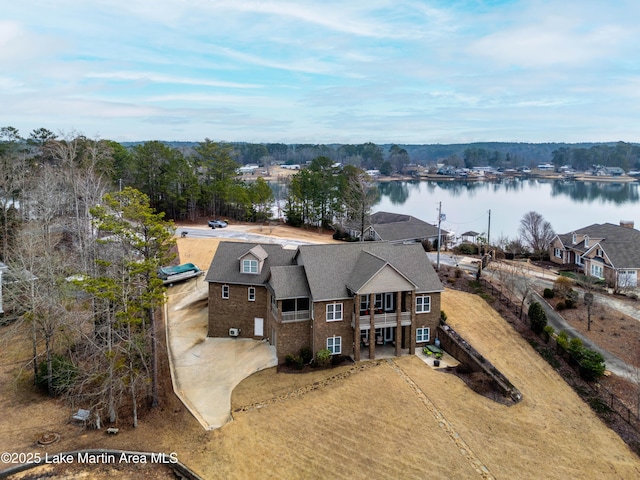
column 574, row 238
column 253, row 260
column 586, row 241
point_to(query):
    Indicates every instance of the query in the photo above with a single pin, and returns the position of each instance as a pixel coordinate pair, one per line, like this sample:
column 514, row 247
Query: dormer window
column 249, row 266
column 586, row 241
column 574, row 240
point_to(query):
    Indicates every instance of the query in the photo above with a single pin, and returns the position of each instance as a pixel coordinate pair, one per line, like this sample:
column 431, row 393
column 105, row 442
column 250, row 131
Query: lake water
column 566, row 205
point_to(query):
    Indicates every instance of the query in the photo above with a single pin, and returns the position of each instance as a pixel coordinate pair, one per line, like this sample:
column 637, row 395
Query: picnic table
column 433, row 348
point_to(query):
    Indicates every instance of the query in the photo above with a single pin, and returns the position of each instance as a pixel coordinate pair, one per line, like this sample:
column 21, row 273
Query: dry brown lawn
column 385, row 419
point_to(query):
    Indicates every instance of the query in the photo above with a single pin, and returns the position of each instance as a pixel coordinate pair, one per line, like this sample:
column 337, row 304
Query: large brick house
column 349, row 298
column 605, row 251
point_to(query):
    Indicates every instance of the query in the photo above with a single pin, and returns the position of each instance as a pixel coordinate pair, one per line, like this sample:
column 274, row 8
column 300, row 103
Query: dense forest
column 393, row 157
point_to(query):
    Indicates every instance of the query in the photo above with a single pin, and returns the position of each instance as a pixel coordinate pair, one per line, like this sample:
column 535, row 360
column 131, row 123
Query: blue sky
column 396, row 71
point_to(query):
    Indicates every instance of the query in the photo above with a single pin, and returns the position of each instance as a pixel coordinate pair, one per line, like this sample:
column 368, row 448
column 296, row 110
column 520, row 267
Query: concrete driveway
column 205, row 370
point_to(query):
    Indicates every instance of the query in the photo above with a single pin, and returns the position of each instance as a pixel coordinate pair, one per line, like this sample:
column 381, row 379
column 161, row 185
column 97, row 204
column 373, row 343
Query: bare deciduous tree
column 536, row 232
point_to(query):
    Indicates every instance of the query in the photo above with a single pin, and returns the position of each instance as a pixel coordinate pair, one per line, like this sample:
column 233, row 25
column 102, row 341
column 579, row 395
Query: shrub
column 562, row 340
column 562, row 286
column 561, row 305
column 63, row 374
column 537, row 317
column 592, row 365
column 575, row 348
column 570, row 303
column 294, row 361
column 323, row 357
column 306, row 354
column 443, row 317
column 548, row 293
column 458, row 272
column 426, row 244
column 547, row 332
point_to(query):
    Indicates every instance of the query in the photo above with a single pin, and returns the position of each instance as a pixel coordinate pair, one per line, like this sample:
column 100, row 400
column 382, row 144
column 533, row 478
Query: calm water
column 566, row 205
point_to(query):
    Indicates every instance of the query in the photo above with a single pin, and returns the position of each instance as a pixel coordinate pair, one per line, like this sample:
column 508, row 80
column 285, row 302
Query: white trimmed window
column 249, row 266
column 579, row 260
column 557, row 253
column 423, row 304
column 225, row 291
column 596, row 270
column 334, row 312
column 334, row 345
column 422, row 334
column 251, row 294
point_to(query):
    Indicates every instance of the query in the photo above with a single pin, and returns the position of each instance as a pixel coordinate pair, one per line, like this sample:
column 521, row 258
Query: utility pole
column 489, row 231
column 439, row 236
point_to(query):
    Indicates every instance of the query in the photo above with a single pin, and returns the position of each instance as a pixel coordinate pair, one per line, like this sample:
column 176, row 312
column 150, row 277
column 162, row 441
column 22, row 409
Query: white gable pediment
column 387, row 279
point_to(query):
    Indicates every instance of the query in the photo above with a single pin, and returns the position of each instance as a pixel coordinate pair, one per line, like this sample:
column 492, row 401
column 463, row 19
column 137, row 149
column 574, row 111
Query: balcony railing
column 295, row 316
column 384, row 319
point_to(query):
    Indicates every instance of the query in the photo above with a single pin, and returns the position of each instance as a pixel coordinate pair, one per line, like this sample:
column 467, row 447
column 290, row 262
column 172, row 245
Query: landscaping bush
column 592, row 365
column 561, row 305
column 443, row 317
column 575, row 348
column 306, row 354
column 548, row 293
column 458, row 272
column 563, row 340
column 562, row 286
column 569, row 303
column 547, row 332
column 537, row 317
column 323, row 358
column 294, row 361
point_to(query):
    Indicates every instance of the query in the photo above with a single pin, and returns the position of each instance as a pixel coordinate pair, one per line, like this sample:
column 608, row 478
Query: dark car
column 217, row 223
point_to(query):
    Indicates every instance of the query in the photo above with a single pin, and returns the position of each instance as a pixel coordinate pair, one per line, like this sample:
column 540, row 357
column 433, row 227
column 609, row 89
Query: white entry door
column 258, row 327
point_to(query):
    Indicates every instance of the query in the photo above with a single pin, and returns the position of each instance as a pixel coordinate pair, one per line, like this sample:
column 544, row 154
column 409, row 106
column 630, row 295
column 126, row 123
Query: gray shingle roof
column 621, row 244
column 225, row 266
column 289, row 282
column 394, row 227
column 330, row 268
column 324, row 272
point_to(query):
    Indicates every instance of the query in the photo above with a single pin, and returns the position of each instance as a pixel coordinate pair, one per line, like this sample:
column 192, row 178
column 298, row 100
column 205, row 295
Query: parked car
column 217, row 223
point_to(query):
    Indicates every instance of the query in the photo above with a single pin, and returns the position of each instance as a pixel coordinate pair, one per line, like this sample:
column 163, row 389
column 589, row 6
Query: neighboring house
column 399, row 228
column 606, row 251
column 349, row 298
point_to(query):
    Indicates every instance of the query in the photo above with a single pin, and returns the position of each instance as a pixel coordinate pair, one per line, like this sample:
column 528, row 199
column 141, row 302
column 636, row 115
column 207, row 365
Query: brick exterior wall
column 323, row 329
column 236, row 311
column 291, row 337
column 429, row 320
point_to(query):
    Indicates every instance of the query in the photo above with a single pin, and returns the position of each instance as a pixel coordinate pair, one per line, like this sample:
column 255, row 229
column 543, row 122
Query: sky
column 324, row 71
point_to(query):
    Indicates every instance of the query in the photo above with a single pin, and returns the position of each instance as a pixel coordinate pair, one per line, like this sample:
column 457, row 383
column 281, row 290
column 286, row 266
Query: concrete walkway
column 205, row 370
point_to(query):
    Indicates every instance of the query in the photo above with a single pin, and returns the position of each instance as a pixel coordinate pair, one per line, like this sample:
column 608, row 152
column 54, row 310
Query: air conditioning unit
column 234, row 332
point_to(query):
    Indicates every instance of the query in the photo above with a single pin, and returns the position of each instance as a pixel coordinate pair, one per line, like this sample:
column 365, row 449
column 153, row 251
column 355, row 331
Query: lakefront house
column 605, row 251
column 353, row 299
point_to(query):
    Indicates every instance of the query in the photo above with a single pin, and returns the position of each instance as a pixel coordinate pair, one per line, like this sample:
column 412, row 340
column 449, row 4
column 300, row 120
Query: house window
column 334, row 345
column 599, row 253
column 557, row 253
column 225, row 291
column 422, row 334
column 586, row 241
column 579, row 260
column 251, row 294
column 249, row 266
column 334, row 312
column 596, row 270
column 364, row 304
column 423, row 304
